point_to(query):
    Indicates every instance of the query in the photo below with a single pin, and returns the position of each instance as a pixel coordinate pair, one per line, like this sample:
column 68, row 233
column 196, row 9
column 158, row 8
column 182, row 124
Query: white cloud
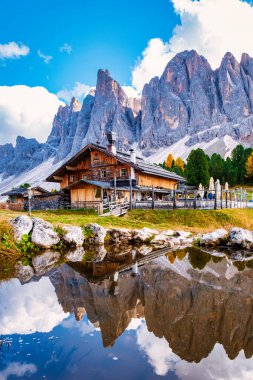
column 13, row 50
column 26, row 111
column 211, row 27
column 79, row 91
column 46, row 58
column 130, row 92
column 29, row 308
column 18, row 370
column 65, row 48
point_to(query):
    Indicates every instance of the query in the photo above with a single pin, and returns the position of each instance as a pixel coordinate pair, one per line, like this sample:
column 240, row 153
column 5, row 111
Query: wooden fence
column 193, row 200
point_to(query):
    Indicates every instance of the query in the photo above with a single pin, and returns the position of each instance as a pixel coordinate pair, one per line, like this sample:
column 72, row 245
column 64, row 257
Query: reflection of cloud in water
column 160, row 356
column 17, row 369
column 84, row 326
column 29, row 308
column 135, row 323
column 216, row 366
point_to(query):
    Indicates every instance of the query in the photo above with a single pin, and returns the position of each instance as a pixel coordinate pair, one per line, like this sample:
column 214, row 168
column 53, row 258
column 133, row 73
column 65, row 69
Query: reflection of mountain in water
column 192, row 309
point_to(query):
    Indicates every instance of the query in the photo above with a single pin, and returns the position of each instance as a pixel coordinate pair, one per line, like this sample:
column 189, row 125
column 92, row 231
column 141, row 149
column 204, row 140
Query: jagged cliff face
column 64, row 129
column 190, row 101
column 190, row 98
column 112, row 111
column 191, row 309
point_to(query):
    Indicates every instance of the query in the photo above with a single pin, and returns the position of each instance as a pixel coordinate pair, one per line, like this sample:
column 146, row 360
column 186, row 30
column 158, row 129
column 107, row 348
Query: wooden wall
column 65, row 182
column 93, row 162
column 19, row 199
column 85, row 194
column 149, row 180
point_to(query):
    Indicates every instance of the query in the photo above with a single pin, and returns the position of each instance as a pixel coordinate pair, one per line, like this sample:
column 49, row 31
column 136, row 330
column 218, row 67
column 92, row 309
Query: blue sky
column 60, row 44
column 103, row 34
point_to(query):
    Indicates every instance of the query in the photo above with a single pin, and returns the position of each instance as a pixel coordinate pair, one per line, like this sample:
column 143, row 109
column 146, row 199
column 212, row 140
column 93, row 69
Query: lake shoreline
column 27, row 243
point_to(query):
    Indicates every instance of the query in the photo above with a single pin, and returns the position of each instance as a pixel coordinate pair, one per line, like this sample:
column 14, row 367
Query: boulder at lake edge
column 22, row 225
column 241, row 237
column 73, row 235
column 214, row 238
column 43, row 234
column 95, row 234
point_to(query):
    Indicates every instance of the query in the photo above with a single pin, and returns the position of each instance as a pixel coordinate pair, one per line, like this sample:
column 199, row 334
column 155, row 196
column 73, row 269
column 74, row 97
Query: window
column 103, row 173
column 123, row 172
column 71, row 178
column 96, row 159
column 98, row 192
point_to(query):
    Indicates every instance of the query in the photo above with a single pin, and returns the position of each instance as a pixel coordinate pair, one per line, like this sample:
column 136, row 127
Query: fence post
column 185, row 199
column 194, row 201
column 114, row 187
column 131, row 194
column 174, row 200
column 215, row 197
column 221, row 205
column 226, row 199
column 153, row 198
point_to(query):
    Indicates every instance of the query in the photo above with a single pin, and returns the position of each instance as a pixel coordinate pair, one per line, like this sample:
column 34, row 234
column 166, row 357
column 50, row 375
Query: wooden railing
column 115, row 208
column 193, row 200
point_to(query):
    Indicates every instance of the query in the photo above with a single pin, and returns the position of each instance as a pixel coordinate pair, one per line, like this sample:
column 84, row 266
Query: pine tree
column 249, row 166
column 169, row 161
column 217, row 167
column 239, row 158
column 197, row 168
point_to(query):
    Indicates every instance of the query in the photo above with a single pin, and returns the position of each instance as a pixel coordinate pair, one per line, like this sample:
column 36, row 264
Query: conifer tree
column 197, row 168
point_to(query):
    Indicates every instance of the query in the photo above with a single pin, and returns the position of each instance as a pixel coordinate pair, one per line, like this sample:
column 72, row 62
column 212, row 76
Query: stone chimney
column 132, row 156
column 111, row 147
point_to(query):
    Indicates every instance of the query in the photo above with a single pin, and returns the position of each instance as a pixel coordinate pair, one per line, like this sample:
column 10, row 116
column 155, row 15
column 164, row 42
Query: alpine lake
column 184, row 314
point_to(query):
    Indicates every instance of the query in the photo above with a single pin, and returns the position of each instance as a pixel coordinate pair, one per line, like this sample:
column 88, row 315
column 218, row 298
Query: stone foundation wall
column 41, row 202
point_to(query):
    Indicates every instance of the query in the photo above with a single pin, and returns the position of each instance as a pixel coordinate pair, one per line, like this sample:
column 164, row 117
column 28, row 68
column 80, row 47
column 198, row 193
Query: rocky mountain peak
column 111, row 110
column 108, row 88
column 75, row 105
column 189, row 101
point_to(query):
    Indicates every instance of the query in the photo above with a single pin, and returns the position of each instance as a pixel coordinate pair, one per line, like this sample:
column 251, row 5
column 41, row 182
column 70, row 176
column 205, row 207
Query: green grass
column 9, row 253
column 190, row 220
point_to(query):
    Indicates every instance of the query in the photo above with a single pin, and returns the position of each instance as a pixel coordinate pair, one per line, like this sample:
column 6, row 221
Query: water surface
column 186, row 315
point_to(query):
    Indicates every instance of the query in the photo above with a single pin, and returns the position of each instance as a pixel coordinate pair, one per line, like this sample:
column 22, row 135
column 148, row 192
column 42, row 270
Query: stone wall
column 45, row 202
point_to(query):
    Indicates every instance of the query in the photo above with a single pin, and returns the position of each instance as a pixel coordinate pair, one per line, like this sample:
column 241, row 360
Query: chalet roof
column 122, row 157
column 102, row 184
column 22, row 191
column 18, row 191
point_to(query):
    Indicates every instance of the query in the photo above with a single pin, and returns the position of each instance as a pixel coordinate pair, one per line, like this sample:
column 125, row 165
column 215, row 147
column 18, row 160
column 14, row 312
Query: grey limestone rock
column 21, row 225
column 43, row 234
